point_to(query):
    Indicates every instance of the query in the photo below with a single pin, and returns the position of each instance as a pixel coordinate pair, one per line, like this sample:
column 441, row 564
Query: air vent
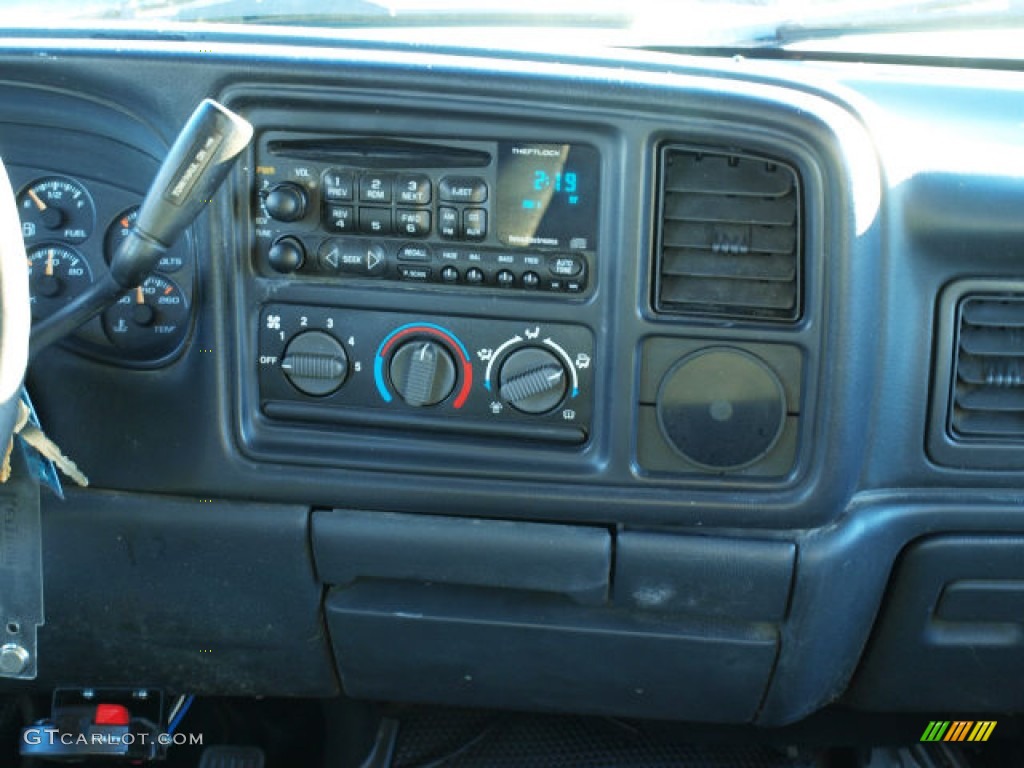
column 988, row 388
column 728, row 242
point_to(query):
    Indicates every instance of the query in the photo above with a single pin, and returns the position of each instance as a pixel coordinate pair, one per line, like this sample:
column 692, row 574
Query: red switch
column 112, row 714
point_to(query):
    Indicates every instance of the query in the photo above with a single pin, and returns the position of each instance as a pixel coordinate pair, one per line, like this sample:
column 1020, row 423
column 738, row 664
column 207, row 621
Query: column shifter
column 195, row 167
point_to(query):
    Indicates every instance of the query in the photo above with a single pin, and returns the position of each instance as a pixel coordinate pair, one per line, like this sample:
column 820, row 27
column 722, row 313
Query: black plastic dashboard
column 434, row 381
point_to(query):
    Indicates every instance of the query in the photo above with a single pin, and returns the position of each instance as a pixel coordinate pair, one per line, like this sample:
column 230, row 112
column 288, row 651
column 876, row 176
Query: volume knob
column 286, row 202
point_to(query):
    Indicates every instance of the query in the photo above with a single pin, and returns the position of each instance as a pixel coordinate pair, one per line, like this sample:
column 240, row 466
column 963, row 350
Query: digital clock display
column 547, row 195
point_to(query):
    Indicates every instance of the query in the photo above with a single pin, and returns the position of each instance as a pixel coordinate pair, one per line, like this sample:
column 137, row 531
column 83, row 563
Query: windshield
column 678, row 24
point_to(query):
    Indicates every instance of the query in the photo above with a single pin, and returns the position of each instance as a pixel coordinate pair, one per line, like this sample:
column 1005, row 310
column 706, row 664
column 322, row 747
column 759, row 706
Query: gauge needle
column 140, row 297
column 49, row 263
column 37, row 200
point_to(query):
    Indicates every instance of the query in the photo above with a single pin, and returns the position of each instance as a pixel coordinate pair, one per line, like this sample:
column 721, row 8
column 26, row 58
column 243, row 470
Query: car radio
column 498, row 215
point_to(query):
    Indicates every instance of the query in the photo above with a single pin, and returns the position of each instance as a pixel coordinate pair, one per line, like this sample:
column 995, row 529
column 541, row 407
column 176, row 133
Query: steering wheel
column 15, row 313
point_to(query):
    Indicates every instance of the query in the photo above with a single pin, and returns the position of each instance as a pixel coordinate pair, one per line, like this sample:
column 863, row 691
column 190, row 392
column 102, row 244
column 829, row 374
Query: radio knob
column 286, row 202
column 423, row 373
column 532, row 380
column 315, row 363
column 287, row 254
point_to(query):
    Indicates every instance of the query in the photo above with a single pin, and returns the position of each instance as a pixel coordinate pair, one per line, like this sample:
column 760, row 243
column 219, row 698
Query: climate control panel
column 505, row 378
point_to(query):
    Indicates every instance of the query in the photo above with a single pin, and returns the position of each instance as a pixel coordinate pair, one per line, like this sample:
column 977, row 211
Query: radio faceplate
column 458, row 215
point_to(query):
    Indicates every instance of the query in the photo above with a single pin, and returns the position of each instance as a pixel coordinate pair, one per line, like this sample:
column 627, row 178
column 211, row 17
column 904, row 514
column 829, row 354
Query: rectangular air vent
column 729, row 236
column 988, row 383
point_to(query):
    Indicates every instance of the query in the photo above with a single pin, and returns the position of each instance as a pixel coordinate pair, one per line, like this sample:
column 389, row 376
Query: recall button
column 565, row 266
column 414, row 253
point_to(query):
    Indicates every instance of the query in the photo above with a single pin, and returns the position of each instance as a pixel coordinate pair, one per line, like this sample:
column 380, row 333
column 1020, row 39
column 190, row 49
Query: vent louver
column 988, row 389
column 728, row 242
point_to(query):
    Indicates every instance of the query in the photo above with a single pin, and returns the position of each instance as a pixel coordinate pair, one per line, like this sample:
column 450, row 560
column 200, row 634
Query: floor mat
column 457, row 739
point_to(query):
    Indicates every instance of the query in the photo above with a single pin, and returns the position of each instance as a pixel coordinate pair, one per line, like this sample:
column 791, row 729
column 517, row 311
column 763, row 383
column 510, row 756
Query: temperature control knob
column 286, row 201
column 423, row 372
column 315, row 363
column 532, row 380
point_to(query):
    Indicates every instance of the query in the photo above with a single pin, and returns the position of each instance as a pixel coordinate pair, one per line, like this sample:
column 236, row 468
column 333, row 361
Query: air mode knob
column 532, row 380
column 286, row 201
column 423, row 372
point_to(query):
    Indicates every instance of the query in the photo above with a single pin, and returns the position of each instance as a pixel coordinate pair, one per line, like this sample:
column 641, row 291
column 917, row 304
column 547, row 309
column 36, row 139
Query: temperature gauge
column 171, row 261
column 149, row 321
column 57, row 274
column 56, row 207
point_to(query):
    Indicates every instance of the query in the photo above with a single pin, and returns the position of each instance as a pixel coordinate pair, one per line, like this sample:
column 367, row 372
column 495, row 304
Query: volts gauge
column 56, row 208
column 171, row 261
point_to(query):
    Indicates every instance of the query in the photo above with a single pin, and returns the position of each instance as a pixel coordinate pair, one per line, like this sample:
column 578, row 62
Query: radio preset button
column 413, row 223
column 474, row 276
column 462, row 189
column 574, row 286
column 554, row 285
column 375, row 221
column 338, row 185
column 414, row 253
column 412, row 189
column 565, row 266
column 375, row 187
column 474, row 223
column 448, row 223
column 450, row 274
column 340, row 218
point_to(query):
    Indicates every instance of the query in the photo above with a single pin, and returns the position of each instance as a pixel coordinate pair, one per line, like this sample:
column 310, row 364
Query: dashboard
column 688, row 383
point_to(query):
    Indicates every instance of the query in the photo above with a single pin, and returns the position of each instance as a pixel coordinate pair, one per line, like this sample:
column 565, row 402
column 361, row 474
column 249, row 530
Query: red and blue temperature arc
column 431, row 330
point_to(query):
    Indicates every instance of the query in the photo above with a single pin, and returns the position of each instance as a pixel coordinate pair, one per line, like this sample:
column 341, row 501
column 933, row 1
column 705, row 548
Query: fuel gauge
column 56, row 207
column 150, row 321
